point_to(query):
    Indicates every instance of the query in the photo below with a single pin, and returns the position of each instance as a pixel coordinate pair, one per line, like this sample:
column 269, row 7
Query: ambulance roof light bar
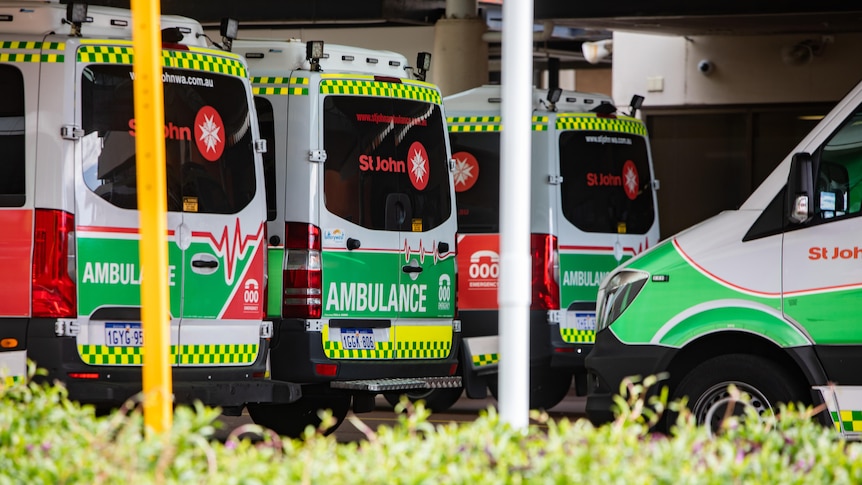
column 228, row 30
column 423, row 65
column 313, row 53
column 76, row 14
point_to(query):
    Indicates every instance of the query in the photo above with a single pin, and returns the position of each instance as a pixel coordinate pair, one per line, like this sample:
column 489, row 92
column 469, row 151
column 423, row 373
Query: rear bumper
column 113, row 385
column 547, row 347
column 297, row 354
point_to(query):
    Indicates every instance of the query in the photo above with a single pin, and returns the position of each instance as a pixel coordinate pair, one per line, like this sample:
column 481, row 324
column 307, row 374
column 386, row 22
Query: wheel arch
column 800, row 362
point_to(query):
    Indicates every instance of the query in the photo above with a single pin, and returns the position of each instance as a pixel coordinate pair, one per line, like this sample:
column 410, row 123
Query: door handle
column 205, row 264
column 411, row 269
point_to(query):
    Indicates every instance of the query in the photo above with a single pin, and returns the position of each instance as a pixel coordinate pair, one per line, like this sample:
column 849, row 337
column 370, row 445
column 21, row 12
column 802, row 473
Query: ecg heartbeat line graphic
column 232, row 247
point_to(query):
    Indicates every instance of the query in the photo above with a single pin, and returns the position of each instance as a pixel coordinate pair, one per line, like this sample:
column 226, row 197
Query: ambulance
column 766, row 297
column 361, row 227
column 592, row 206
column 68, row 207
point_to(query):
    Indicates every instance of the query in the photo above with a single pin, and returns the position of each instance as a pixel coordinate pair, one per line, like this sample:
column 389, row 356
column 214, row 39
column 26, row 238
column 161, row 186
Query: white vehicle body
column 592, row 206
column 68, row 205
column 361, row 222
column 766, row 297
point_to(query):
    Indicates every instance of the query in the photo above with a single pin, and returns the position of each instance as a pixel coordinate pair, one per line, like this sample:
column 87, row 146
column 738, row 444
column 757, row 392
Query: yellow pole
column 150, row 149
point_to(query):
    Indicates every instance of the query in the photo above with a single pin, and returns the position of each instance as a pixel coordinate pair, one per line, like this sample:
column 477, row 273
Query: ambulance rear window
column 208, row 141
column 477, row 181
column 606, row 182
column 12, row 189
column 386, row 163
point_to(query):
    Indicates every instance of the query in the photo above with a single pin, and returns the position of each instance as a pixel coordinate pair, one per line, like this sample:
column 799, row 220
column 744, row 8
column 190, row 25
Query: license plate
column 585, row 320
column 124, row 335
column 357, row 339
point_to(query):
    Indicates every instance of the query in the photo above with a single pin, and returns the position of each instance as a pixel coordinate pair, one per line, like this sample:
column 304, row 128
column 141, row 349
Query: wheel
column 436, row 400
column 547, row 387
column 292, row 419
column 766, row 382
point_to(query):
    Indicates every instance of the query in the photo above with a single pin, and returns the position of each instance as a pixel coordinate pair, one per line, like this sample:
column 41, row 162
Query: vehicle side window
column 12, row 187
column 266, row 121
column 838, row 184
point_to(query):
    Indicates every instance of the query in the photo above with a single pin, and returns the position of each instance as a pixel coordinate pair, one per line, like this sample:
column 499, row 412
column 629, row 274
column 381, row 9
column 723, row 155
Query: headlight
column 617, row 294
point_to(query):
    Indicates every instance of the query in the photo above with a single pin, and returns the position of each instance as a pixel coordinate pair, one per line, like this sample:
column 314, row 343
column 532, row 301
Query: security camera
column 595, row 52
column 705, row 67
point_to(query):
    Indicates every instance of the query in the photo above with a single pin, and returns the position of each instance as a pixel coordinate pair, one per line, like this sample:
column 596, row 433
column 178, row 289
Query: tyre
column 436, row 400
column 547, row 387
column 765, row 381
column 292, row 419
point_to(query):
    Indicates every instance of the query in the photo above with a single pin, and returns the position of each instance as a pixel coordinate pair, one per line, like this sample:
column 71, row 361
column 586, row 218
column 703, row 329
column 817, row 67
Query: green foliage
column 45, row 439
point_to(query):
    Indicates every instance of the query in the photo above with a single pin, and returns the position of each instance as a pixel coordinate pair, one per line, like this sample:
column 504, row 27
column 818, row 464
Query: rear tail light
column 545, row 286
column 303, row 284
column 54, row 290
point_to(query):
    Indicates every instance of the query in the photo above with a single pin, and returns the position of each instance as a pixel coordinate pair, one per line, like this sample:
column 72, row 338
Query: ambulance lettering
column 484, row 269
column 368, row 163
column 106, row 273
column 583, row 278
column 172, row 131
column 444, row 292
column 815, row 254
column 376, row 297
column 629, row 180
column 251, row 295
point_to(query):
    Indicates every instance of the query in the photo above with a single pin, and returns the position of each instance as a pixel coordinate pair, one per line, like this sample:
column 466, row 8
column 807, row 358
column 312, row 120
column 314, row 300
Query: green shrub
column 46, row 439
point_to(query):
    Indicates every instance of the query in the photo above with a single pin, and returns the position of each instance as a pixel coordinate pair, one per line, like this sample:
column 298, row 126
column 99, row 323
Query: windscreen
column 208, row 140
column 606, row 182
column 386, row 165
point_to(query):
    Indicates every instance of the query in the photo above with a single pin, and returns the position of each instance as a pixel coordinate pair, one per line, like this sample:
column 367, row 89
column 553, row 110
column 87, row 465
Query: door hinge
column 555, row 179
column 656, row 185
column 260, row 146
column 71, row 132
column 317, row 156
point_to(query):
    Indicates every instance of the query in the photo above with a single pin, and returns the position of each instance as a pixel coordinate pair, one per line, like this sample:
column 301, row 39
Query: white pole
column 514, row 292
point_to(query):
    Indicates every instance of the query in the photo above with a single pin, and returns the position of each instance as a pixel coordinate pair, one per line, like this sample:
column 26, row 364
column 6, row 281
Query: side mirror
column 800, row 188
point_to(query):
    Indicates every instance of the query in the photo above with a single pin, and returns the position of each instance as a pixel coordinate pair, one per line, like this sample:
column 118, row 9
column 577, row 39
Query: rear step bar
column 399, row 384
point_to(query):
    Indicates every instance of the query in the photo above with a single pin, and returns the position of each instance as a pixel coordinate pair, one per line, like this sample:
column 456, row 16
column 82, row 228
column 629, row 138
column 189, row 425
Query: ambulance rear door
column 214, row 220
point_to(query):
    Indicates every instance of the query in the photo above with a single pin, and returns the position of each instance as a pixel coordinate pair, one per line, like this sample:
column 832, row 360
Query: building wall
column 746, row 69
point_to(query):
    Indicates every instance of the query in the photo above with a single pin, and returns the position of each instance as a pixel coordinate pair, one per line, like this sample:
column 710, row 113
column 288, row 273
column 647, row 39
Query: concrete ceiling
column 567, row 23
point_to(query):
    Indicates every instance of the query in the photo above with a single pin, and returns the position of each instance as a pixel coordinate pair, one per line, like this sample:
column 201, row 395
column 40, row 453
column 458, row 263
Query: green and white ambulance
column 361, row 227
column 68, row 208
column 593, row 206
column 766, row 297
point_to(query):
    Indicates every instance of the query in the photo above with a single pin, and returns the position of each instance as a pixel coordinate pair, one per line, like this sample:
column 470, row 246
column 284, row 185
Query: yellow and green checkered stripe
column 413, row 342
column 382, row 350
column 403, row 90
column 184, row 354
column 280, row 86
column 574, row 336
column 482, row 360
column 198, row 61
column 437, row 349
column 16, row 51
column 11, row 380
column 479, row 124
column 852, row 420
column 592, row 122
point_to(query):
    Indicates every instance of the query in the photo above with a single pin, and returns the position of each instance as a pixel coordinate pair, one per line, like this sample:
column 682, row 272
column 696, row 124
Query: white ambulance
column 766, row 297
column 593, row 206
column 361, row 227
column 68, row 208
